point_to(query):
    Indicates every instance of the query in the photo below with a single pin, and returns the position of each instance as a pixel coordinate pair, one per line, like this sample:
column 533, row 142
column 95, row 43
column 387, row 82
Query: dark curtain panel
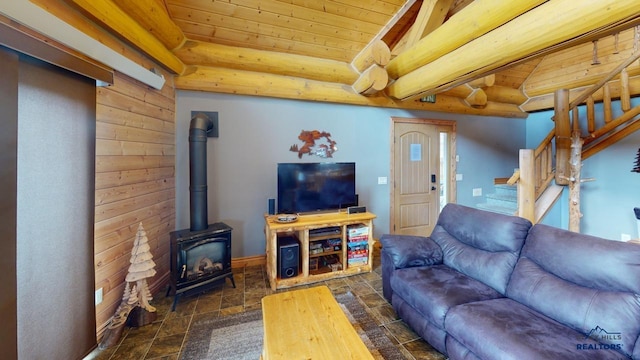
column 48, row 167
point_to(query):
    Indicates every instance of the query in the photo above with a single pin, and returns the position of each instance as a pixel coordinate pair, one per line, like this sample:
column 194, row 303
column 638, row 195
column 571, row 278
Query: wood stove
column 200, row 255
column 200, row 260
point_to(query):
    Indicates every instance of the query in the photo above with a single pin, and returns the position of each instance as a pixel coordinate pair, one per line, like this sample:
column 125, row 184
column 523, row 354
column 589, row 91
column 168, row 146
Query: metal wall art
column 310, row 147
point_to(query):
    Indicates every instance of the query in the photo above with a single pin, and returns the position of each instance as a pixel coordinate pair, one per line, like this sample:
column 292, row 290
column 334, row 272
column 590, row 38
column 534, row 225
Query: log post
column 625, row 96
column 591, row 118
column 563, row 135
column 526, row 185
column 606, row 103
column 574, row 182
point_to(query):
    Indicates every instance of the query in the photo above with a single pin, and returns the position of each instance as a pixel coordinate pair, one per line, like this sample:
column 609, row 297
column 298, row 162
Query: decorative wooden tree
column 141, row 267
column 134, row 309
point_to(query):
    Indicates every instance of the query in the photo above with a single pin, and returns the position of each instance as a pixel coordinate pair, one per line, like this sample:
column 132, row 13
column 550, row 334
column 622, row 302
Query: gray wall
column 256, row 133
column 606, row 203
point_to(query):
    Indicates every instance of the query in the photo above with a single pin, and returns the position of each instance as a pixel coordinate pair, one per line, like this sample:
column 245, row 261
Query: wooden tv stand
column 331, row 245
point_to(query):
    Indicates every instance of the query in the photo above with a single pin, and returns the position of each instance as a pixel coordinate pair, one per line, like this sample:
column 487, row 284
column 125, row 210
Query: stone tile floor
column 164, row 338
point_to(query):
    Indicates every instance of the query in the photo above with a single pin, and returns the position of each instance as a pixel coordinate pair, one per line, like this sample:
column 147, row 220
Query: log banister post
column 526, row 185
column 563, row 135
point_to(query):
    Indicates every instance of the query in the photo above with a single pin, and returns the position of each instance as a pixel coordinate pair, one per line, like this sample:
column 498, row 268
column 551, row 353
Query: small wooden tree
column 141, row 268
column 134, row 309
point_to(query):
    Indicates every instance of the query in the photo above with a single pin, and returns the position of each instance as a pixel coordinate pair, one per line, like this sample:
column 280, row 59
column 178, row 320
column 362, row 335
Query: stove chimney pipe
column 199, row 129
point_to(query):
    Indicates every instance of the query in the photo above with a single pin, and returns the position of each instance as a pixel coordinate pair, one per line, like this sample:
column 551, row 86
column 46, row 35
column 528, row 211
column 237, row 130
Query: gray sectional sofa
column 491, row 286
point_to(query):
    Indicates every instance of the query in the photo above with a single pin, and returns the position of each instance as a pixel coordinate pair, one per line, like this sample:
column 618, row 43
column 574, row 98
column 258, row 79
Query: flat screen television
column 309, row 187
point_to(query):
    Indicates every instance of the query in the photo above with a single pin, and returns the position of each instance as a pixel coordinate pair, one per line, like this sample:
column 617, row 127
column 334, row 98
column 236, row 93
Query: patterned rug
column 239, row 337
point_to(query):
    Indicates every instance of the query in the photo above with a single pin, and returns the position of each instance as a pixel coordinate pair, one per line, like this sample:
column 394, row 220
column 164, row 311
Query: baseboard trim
column 249, row 261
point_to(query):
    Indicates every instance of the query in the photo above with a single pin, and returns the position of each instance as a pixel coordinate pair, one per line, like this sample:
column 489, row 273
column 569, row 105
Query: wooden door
column 416, row 189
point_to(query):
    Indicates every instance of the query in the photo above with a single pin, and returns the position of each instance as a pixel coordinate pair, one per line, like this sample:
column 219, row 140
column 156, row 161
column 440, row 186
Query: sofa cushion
column 505, row 329
column 457, row 351
column 408, row 251
column 433, row 290
column 553, row 278
column 474, row 241
column 434, row 335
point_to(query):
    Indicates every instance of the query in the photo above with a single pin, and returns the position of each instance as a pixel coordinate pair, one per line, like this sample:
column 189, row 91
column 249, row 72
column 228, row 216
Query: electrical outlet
column 458, row 177
column 625, row 237
column 98, row 296
column 382, row 180
column 477, row 192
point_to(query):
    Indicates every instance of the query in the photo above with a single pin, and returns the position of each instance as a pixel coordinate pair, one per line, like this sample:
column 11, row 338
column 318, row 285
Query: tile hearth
column 165, row 337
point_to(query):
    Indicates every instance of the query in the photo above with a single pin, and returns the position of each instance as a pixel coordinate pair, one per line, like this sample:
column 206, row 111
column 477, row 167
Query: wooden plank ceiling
column 488, row 57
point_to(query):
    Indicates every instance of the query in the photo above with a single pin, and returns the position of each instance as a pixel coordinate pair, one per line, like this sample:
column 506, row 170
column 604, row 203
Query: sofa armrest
column 410, row 251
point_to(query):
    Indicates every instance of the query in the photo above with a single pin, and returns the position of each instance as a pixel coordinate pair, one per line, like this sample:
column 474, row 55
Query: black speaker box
column 272, row 206
column 288, row 257
column 356, row 209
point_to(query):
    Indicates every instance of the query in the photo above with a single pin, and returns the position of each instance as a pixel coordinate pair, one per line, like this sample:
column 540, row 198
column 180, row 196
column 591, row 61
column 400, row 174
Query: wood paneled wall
column 135, row 182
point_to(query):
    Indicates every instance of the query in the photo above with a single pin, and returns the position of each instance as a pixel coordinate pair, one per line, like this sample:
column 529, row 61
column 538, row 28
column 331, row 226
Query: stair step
column 502, row 197
column 504, row 200
column 497, row 208
column 506, row 189
column 507, row 201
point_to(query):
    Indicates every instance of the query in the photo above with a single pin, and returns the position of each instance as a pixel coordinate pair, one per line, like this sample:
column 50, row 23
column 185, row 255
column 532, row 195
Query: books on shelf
column 354, row 231
column 357, row 245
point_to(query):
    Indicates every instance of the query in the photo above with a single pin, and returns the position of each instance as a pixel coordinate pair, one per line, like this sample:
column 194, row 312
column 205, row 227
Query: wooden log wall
column 135, row 182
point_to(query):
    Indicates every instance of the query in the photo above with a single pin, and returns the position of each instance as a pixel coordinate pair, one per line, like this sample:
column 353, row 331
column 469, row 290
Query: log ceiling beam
column 531, row 32
column 477, row 19
column 376, row 53
column 155, row 19
column 241, row 82
column 472, row 93
column 431, row 15
column 506, row 94
column 271, row 62
column 106, row 12
column 371, row 81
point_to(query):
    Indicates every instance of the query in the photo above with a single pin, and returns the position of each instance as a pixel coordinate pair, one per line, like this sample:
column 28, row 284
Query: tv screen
column 307, row 187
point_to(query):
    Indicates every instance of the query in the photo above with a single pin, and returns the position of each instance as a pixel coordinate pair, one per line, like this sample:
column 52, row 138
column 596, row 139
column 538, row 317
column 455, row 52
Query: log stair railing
column 536, row 172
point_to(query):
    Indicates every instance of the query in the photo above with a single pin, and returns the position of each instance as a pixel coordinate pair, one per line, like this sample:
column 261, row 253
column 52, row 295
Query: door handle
column 433, row 188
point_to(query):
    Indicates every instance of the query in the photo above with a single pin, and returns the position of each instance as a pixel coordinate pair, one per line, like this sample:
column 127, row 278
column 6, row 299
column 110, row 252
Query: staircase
column 536, row 191
column 504, row 200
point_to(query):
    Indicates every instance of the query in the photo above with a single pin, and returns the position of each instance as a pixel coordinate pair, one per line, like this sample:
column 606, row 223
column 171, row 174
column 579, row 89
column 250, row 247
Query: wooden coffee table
column 308, row 324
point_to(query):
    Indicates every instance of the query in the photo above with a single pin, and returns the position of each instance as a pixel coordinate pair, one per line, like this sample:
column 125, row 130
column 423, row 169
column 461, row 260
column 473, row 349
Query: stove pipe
column 199, row 128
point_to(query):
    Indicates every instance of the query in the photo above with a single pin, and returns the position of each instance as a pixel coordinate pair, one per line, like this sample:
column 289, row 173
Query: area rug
column 239, row 337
